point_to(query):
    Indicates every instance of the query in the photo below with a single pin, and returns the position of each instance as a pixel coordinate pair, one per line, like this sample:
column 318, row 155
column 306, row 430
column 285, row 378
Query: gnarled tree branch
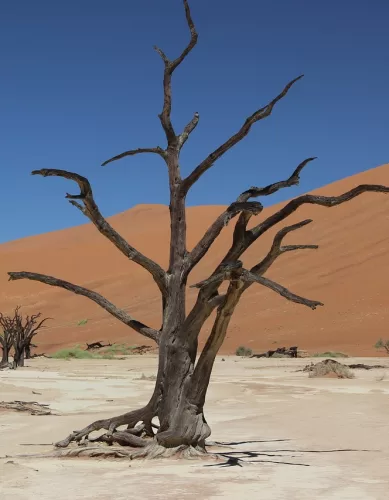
column 260, row 114
column 202, row 247
column 170, row 66
column 324, row 201
column 250, row 277
column 293, row 180
column 91, row 210
column 132, row 152
column 276, row 249
column 246, row 209
column 94, row 296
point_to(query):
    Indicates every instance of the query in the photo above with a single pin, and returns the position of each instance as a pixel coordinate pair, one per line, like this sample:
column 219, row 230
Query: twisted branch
column 276, row 249
column 260, row 114
column 91, row 210
column 293, row 180
column 94, row 296
column 324, row 201
column 246, row 209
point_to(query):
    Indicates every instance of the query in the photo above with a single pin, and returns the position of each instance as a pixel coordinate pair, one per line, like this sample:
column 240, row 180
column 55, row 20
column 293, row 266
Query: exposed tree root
column 131, row 419
column 91, row 451
column 154, row 450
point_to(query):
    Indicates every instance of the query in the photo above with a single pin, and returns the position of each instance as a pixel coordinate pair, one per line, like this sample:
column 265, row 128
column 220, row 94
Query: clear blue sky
column 80, row 83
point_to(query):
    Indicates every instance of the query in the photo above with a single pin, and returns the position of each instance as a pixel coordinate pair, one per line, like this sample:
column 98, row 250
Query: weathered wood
column 32, row 407
column 292, row 352
column 18, row 334
column 119, row 314
column 182, row 382
column 97, row 345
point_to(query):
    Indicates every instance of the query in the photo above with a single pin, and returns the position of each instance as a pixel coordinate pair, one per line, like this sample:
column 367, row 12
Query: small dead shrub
column 329, row 367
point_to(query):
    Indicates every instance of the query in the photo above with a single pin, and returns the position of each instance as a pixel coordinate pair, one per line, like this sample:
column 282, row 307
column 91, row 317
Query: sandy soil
column 349, row 273
column 300, row 438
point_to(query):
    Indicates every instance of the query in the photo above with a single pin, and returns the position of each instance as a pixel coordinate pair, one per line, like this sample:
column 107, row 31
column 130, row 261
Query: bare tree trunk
column 5, row 356
column 18, row 357
column 182, row 421
column 27, row 351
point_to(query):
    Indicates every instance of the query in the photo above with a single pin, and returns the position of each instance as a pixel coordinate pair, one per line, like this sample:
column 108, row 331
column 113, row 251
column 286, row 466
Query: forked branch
column 260, row 114
column 250, row 277
column 294, row 180
column 119, row 314
column 324, row 201
column 277, row 249
column 91, row 210
column 202, row 247
column 170, row 66
column 246, row 209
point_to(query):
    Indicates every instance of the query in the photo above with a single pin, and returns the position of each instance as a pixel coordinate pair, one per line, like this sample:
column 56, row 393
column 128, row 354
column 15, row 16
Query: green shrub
column 74, row 353
column 243, row 351
column 382, row 344
column 118, row 349
column 82, row 322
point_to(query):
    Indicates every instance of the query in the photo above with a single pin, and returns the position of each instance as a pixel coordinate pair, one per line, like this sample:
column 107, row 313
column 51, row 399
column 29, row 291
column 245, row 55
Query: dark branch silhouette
column 170, row 66
column 94, row 296
column 132, row 152
column 17, row 335
column 215, row 229
column 91, row 210
column 260, row 114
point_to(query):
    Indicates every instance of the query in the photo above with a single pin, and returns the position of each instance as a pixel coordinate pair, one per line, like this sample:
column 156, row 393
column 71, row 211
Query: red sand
column 349, row 273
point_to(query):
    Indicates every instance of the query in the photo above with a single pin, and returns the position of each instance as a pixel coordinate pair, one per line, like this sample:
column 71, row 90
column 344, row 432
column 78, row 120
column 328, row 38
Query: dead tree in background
column 6, row 339
column 181, row 385
column 19, row 333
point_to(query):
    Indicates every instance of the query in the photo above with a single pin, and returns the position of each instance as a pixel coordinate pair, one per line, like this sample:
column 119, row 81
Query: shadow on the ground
column 241, row 457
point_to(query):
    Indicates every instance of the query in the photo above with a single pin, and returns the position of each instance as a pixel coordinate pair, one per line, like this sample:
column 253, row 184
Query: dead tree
column 181, row 385
column 20, row 333
column 6, row 339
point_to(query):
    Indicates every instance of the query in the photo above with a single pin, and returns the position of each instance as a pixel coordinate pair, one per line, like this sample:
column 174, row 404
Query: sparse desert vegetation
column 382, row 344
column 330, row 354
column 243, row 351
column 77, row 352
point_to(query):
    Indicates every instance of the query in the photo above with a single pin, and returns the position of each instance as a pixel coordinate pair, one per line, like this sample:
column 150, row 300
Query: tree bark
column 5, row 356
column 18, row 357
column 27, row 351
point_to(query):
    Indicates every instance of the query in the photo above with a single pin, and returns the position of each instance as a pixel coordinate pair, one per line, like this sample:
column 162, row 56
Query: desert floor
column 301, row 438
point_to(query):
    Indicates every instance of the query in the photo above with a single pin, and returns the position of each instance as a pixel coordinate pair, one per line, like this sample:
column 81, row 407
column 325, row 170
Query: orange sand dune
column 349, row 273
